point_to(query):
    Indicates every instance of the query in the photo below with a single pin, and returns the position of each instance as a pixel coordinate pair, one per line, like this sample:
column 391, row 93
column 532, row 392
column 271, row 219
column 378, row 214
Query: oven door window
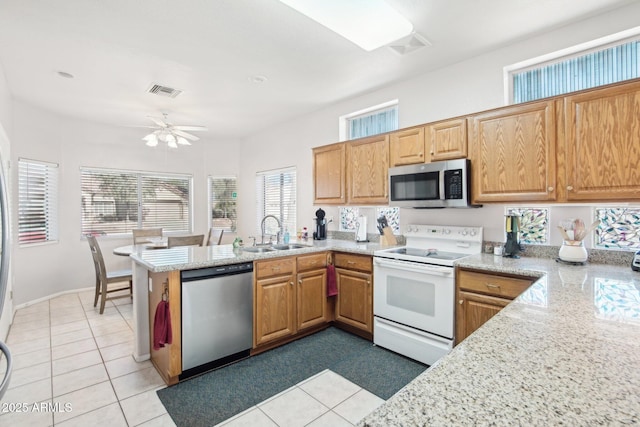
column 411, row 295
column 415, row 186
column 416, row 299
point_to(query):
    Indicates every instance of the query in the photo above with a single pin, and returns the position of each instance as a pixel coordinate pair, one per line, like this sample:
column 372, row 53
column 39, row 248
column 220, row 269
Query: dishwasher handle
column 209, row 272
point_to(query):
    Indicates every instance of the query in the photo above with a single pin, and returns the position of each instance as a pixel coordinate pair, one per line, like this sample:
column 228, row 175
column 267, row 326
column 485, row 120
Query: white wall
column 470, row 86
column 47, row 269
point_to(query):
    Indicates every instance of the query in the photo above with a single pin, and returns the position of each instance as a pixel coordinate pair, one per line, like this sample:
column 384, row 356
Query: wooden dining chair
column 104, row 278
column 215, row 237
column 193, row 240
column 143, row 235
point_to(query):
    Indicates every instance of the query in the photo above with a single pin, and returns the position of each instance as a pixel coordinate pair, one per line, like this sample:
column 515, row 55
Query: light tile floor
column 73, row 367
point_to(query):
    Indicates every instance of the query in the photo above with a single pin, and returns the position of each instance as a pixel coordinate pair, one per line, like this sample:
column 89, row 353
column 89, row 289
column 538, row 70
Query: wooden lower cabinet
column 354, row 303
column 167, row 359
column 290, row 297
column 274, row 300
column 274, row 309
column 474, row 310
column 311, row 298
column 481, row 295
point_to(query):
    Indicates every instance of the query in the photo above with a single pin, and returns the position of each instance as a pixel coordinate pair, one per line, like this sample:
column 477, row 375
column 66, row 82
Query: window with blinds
column 115, row 202
column 222, row 202
column 579, row 71
column 370, row 121
column 276, row 195
column 37, row 202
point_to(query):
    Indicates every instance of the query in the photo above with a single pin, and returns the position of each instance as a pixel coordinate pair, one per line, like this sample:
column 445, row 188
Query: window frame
column 578, row 50
column 139, row 177
column 234, row 226
column 345, row 120
column 260, row 201
column 51, row 201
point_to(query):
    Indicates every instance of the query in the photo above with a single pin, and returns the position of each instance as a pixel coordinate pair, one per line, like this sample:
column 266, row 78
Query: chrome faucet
column 279, row 228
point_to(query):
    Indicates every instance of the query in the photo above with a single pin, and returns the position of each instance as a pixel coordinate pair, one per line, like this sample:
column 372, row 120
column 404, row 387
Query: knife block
column 387, row 238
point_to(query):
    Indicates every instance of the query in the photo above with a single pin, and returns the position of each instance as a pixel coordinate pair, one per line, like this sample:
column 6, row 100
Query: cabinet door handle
column 300, row 281
column 291, row 283
column 570, row 187
column 461, row 302
column 420, row 154
column 550, row 189
column 275, row 268
column 351, row 262
column 492, row 286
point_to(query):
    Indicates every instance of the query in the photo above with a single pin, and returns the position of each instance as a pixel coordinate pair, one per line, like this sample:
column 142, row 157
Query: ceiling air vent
column 163, row 90
column 409, row 44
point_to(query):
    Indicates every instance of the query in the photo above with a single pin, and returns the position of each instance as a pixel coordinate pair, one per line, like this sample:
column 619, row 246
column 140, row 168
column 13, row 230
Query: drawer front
column 353, row 262
column 276, row 267
column 491, row 284
column 311, row 262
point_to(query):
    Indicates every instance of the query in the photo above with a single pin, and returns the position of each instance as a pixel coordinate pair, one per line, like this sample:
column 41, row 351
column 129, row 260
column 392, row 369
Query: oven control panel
column 446, row 232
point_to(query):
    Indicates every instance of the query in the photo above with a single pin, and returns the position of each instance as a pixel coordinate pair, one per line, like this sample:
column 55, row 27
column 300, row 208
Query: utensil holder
column 573, row 251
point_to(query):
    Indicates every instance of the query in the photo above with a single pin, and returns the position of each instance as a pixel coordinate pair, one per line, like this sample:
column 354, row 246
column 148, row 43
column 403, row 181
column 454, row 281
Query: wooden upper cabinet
column 513, row 153
column 447, row 140
column 602, row 144
column 329, row 174
column 367, row 170
column 407, row 147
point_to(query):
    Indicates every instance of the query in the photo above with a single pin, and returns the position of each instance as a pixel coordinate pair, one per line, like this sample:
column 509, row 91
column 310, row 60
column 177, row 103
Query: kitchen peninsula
column 565, row 352
column 157, row 274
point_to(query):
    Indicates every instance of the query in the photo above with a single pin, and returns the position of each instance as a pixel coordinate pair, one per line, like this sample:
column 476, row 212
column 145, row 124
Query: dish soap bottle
column 286, row 236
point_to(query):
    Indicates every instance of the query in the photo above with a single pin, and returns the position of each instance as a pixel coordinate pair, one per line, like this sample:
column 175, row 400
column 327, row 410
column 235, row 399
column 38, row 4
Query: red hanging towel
column 332, row 286
column 162, row 326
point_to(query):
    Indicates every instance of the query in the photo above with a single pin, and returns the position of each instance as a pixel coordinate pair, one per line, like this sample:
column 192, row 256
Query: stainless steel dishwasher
column 217, row 316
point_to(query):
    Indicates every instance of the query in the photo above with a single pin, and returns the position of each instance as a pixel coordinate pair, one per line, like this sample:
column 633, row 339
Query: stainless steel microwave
column 442, row 184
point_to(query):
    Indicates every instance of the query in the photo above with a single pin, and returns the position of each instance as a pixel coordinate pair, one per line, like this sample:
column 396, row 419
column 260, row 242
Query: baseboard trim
column 48, row 297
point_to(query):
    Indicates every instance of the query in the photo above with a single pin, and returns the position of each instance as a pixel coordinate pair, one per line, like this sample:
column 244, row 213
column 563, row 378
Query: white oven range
column 414, row 290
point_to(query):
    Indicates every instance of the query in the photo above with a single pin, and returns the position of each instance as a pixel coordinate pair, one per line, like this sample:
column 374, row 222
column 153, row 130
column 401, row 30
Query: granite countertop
column 193, row 257
column 566, row 351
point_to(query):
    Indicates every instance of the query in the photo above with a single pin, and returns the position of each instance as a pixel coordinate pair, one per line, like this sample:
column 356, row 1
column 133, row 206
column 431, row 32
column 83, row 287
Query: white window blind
column 37, row 202
column 222, row 202
column 115, row 202
column 584, row 70
column 370, row 121
column 276, row 195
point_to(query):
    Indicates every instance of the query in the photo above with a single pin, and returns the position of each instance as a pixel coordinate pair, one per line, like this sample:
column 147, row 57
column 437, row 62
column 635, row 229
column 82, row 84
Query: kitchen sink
column 257, row 249
column 288, row 247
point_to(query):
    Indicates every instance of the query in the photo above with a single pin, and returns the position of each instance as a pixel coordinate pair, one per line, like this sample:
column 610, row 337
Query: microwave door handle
column 441, row 184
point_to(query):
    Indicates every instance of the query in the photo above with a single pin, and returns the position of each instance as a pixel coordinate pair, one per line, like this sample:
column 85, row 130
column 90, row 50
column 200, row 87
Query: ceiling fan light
column 152, row 140
column 183, row 141
column 171, row 139
column 172, row 144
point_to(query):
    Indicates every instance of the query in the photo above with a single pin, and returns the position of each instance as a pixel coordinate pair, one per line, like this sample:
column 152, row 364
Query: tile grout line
column 330, row 408
column 104, row 364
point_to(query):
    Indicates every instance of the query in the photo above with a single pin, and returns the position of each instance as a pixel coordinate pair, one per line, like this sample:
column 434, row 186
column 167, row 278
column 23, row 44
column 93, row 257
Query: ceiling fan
column 171, row 134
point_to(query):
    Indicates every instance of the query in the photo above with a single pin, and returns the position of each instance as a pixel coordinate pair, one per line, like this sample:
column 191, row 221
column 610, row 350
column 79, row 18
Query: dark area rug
column 215, row 396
